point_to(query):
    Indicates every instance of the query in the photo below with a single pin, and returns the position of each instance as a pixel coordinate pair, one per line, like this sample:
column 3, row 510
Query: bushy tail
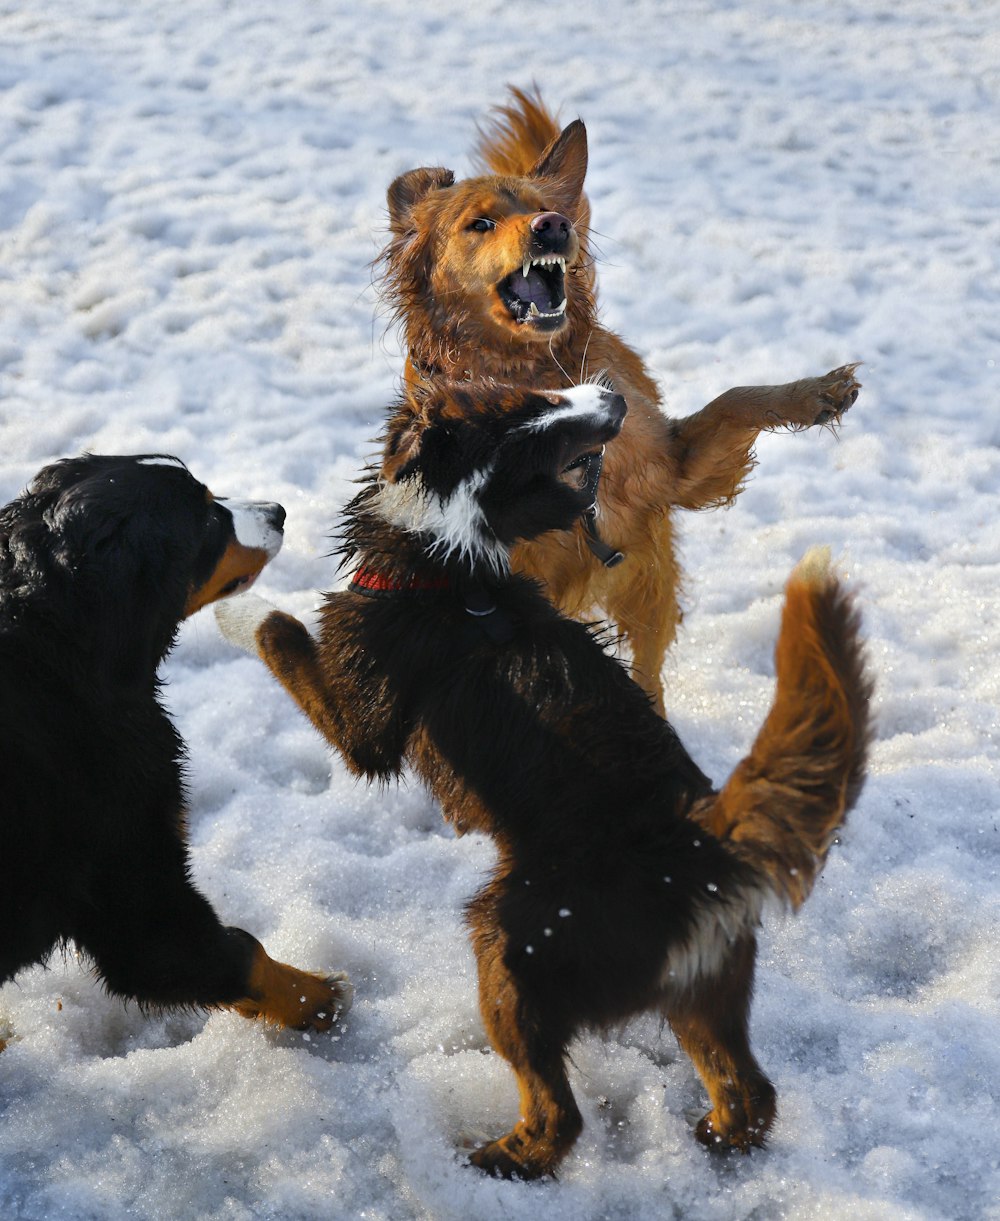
column 782, row 806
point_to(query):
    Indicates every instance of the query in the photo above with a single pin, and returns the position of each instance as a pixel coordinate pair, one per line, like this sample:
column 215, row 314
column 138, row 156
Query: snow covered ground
column 190, row 199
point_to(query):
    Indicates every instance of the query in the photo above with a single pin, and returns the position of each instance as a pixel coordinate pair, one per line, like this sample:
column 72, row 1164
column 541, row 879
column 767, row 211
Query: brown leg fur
column 289, row 997
column 711, row 1026
column 549, row 1120
column 714, row 447
column 291, row 655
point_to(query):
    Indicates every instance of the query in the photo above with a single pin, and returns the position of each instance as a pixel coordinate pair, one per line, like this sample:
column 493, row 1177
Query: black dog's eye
column 483, row 224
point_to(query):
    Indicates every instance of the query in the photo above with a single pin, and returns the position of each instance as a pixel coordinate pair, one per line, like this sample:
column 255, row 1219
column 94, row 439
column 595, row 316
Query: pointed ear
column 409, row 188
column 564, row 162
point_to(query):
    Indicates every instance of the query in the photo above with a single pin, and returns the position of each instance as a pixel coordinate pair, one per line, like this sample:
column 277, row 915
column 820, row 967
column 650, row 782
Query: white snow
column 190, row 200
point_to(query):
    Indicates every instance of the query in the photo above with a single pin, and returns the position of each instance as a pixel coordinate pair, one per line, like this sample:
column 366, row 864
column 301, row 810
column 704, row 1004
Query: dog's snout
column 258, row 524
column 274, row 515
column 551, row 231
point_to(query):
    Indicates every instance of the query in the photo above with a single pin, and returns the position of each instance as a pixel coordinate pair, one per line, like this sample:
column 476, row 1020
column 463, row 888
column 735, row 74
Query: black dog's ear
column 564, row 164
column 409, row 188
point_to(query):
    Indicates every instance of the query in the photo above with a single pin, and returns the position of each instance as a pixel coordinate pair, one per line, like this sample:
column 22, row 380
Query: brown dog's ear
column 409, row 188
column 564, row 163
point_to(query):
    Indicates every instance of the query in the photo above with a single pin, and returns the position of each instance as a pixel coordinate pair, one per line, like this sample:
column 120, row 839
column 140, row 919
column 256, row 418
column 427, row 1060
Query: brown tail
column 782, row 806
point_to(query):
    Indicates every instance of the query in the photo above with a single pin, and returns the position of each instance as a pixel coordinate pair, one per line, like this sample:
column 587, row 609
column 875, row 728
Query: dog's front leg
column 712, row 450
column 291, row 654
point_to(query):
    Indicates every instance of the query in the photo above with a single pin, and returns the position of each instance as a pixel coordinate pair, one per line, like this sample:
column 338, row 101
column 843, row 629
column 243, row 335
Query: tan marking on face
column 237, row 564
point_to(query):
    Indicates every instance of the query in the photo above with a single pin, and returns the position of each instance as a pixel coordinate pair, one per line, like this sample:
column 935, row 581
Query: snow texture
column 191, row 197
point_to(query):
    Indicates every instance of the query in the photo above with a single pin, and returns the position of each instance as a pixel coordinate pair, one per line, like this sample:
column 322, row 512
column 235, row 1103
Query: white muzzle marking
column 252, row 527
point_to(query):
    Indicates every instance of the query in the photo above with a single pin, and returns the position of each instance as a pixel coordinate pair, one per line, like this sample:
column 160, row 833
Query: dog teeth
column 545, row 260
column 534, row 311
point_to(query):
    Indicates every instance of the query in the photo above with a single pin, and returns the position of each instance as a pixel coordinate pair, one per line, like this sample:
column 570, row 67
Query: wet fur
column 439, row 280
column 99, row 561
column 624, row 882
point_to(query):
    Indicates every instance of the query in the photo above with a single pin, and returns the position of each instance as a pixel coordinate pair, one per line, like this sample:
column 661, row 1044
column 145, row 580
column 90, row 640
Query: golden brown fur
column 442, row 277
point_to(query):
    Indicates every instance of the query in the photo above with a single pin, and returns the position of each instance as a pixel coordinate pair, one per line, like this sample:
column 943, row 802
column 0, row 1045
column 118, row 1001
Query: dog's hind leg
column 549, row 1120
column 713, row 449
column 710, row 1023
column 156, row 940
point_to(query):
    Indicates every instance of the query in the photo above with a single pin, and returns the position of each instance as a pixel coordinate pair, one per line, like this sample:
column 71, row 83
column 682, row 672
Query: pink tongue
column 531, row 288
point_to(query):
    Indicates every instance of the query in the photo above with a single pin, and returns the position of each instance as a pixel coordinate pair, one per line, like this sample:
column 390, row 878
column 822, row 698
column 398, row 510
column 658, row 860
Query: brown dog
column 623, row 881
column 491, row 278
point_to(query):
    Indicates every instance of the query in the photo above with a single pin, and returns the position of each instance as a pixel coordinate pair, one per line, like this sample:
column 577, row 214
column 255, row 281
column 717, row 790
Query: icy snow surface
column 190, row 199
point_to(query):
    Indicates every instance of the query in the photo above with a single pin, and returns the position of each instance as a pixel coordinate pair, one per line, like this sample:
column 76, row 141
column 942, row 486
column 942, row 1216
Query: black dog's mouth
column 578, row 472
column 238, row 585
column 536, row 292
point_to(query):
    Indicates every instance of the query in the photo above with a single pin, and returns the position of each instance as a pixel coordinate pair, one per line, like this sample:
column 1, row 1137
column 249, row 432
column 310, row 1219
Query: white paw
column 240, row 617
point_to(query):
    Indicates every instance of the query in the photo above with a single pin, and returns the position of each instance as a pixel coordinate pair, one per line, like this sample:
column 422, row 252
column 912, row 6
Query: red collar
column 377, row 584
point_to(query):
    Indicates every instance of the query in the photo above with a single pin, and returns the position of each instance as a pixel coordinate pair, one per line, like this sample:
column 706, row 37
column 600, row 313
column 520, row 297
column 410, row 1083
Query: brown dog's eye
column 483, row 224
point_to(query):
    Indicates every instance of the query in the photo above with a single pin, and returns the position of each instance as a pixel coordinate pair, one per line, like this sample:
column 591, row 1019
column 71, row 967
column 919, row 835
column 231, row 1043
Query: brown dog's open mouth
column 536, row 292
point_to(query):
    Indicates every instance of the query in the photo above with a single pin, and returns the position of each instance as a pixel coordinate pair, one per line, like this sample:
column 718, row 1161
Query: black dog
column 100, row 560
column 624, row 882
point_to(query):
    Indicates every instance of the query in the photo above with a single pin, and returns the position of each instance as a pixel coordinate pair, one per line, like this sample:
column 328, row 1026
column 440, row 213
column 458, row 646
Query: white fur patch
column 456, row 522
column 718, row 923
column 240, row 617
column 162, row 460
column 253, row 529
column 582, row 402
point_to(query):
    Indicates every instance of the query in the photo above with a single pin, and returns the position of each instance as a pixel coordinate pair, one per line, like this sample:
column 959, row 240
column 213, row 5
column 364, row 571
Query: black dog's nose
column 551, row 231
column 617, row 409
column 274, row 514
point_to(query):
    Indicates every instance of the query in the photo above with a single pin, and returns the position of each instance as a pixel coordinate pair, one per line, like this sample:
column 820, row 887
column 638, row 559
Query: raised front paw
column 836, row 393
column 240, row 617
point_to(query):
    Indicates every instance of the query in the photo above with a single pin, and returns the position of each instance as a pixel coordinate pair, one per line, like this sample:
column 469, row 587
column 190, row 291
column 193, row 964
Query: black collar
column 608, row 556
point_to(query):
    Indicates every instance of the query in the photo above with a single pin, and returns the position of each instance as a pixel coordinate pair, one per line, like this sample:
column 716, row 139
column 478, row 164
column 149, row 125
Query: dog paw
column 497, row 1161
column 339, row 999
column 740, row 1139
column 297, row 1000
column 836, row 392
column 240, row 617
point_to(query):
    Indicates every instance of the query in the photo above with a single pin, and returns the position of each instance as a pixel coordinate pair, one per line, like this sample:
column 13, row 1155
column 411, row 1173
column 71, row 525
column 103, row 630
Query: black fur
column 97, row 562
column 623, row 881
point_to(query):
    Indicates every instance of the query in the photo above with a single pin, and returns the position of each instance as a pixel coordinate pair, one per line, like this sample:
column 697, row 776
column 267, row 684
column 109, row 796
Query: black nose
column 275, row 516
column 551, row 232
column 617, row 409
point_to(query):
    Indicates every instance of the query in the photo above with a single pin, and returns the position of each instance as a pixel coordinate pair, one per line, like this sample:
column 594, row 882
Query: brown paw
column 497, row 1160
column 333, row 1002
column 742, row 1138
column 837, row 392
column 300, row 1000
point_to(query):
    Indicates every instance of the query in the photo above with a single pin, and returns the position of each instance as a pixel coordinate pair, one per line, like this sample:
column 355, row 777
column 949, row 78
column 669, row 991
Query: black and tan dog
column 100, row 560
column 624, row 882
